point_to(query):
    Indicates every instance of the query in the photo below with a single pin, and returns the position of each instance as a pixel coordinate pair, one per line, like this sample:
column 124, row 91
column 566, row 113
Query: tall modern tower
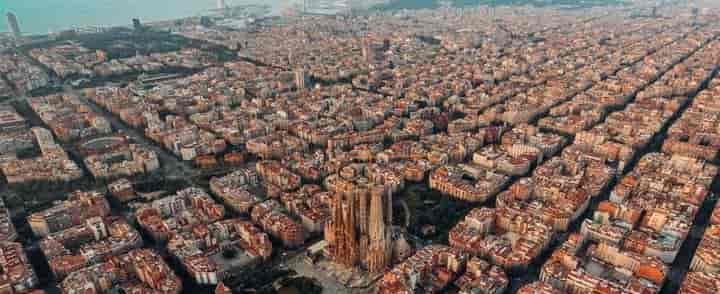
column 13, row 25
column 221, row 5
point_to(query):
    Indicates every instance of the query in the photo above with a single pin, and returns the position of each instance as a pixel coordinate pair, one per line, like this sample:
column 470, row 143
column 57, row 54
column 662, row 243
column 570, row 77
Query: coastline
column 35, row 20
